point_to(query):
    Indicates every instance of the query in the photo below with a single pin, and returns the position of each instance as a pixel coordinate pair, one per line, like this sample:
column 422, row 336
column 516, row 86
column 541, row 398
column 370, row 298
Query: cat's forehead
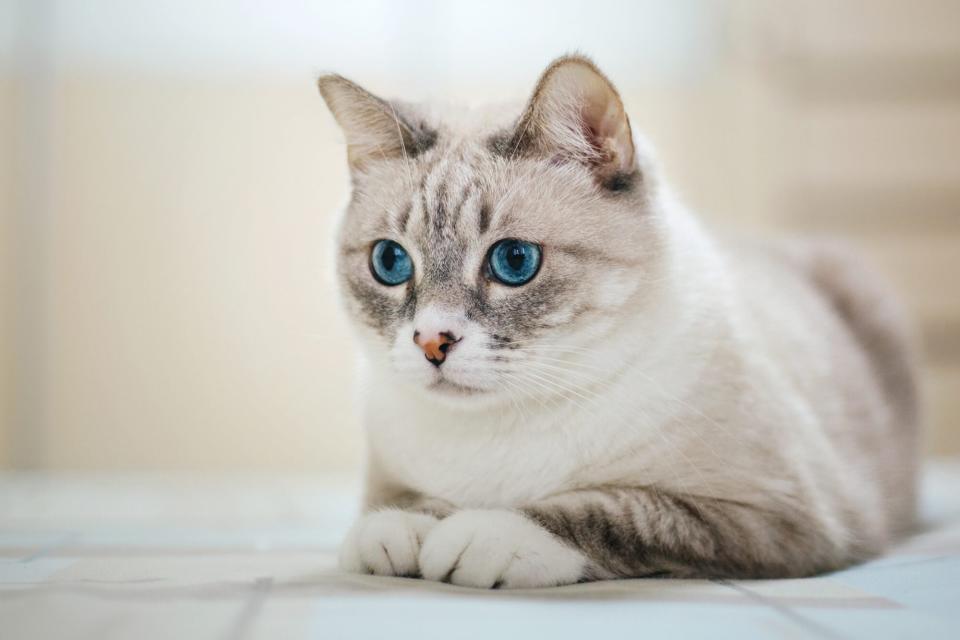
column 465, row 186
column 427, row 194
column 451, row 203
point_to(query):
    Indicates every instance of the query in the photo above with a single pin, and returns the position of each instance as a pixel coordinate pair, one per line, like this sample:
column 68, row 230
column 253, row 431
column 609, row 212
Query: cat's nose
column 435, row 345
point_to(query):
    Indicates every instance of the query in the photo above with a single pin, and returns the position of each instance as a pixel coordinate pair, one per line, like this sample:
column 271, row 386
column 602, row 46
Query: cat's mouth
column 449, row 387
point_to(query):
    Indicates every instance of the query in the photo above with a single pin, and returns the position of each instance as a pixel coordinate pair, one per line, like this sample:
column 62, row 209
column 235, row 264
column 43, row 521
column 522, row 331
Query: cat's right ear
column 576, row 114
column 374, row 128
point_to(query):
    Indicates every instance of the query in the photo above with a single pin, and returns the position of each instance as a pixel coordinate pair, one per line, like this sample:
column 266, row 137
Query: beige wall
column 869, row 106
column 188, row 319
column 180, row 310
column 6, row 266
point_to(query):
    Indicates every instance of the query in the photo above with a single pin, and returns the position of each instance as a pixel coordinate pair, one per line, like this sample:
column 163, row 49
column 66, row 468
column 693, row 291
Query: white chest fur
column 478, row 460
column 509, row 456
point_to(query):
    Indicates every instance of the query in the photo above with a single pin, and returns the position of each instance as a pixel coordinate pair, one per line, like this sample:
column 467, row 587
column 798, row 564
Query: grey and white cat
column 565, row 377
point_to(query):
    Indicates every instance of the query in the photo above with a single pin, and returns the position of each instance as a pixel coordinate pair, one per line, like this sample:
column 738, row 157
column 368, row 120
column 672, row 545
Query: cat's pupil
column 389, row 258
column 516, row 257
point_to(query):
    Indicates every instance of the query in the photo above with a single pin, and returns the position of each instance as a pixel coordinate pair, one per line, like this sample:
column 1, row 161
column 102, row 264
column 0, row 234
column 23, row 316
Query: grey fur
column 629, row 532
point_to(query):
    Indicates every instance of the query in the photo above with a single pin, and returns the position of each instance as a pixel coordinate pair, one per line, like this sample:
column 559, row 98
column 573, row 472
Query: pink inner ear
column 581, row 118
column 607, row 129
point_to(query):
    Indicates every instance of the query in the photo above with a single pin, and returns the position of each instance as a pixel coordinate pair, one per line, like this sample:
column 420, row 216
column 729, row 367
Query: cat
column 566, row 377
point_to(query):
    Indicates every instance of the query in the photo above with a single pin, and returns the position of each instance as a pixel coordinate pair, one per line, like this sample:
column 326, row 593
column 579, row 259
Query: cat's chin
column 459, row 396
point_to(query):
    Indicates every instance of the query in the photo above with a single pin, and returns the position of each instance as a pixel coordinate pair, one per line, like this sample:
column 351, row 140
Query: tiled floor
column 140, row 556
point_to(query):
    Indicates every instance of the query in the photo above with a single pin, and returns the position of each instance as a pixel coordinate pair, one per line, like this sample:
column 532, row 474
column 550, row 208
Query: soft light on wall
column 169, row 177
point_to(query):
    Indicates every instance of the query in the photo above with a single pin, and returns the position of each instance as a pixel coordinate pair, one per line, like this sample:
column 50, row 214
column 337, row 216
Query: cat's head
column 485, row 258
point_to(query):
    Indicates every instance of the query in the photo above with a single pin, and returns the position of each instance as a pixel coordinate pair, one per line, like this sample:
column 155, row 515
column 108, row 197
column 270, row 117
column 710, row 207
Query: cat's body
column 655, row 400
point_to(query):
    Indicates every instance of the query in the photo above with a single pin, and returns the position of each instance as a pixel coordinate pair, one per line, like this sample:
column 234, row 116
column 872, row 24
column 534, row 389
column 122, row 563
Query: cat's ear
column 374, row 128
column 575, row 113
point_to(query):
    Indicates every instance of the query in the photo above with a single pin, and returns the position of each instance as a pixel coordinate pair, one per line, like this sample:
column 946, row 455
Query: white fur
column 386, row 543
column 487, row 548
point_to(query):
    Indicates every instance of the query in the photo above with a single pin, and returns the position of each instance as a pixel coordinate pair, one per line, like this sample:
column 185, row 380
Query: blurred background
column 169, row 176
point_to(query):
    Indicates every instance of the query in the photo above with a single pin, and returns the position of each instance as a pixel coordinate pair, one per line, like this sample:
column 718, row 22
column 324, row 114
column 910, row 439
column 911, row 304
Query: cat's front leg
column 624, row 533
column 386, row 542
column 630, row 532
column 491, row 548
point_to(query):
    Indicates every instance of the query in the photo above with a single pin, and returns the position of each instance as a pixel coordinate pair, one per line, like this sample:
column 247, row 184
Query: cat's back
column 838, row 331
column 829, row 295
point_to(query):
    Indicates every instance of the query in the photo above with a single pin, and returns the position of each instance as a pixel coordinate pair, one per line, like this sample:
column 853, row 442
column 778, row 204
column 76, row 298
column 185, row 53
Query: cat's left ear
column 375, row 129
column 576, row 114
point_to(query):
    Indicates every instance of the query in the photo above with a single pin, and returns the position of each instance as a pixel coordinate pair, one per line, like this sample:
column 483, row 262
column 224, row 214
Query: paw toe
column 386, row 543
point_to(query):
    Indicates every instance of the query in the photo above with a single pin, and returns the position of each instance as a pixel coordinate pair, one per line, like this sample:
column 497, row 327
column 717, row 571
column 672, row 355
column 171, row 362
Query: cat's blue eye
column 514, row 262
column 390, row 263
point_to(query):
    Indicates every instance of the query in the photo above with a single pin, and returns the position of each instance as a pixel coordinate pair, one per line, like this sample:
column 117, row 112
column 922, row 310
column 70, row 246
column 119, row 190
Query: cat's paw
column 497, row 548
column 386, row 543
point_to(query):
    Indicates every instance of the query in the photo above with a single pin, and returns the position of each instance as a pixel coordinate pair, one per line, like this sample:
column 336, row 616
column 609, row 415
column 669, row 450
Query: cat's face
column 485, row 264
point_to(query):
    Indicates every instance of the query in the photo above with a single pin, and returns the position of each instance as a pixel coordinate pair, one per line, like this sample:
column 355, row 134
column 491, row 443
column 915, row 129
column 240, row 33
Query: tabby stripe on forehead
column 484, row 217
column 457, row 212
column 440, row 206
column 437, row 216
column 427, row 174
column 424, row 178
column 404, row 218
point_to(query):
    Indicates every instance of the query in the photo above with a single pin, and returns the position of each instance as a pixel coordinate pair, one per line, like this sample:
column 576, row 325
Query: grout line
column 783, row 610
column 240, row 628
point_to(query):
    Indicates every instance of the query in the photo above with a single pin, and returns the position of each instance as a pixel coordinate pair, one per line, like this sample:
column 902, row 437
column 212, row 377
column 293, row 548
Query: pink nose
column 435, row 346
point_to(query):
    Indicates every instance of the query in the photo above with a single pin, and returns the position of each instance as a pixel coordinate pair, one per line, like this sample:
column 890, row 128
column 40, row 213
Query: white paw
column 385, row 543
column 496, row 548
